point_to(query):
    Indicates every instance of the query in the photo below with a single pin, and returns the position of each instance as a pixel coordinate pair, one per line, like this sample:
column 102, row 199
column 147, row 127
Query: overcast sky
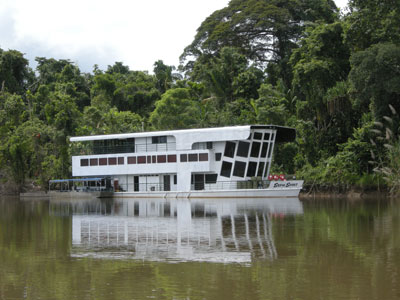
column 101, row 32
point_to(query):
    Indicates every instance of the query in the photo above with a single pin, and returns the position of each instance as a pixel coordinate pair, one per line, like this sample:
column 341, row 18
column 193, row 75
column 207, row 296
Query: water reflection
column 214, row 230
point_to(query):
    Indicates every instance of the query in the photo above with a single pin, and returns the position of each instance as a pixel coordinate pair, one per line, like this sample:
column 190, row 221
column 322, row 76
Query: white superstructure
column 222, row 158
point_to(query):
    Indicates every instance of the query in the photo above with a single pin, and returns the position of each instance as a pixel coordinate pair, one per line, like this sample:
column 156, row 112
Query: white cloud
column 101, row 32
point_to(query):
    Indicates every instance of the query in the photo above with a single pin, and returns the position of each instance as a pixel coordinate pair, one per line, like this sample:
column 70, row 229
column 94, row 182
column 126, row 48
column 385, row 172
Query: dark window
column 154, row 159
column 94, row 162
column 203, row 156
column 243, row 149
column 193, row 157
column 266, row 170
column 131, row 160
column 264, row 149
column 218, row 156
column 255, row 149
column 84, row 162
column 209, row 145
column 211, row 178
column 230, row 149
column 272, row 136
column 239, row 169
column 103, row 161
column 251, row 170
column 172, row 158
column 175, row 179
column 257, row 135
column 183, row 157
column 141, row 159
column 226, row 169
column 112, row 161
column 149, row 159
column 161, row 158
column 121, row 160
column 159, row 139
column 266, row 136
column 260, row 169
column 270, row 150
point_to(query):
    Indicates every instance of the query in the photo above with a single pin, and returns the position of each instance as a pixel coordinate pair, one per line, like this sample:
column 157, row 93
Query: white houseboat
column 232, row 162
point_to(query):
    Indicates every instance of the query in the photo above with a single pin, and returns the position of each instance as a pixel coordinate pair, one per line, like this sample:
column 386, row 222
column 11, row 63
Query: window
column 121, row 160
column 226, row 169
column 84, row 162
column 159, row 139
column 230, row 149
column 209, row 145
column 112, row 161
column 255, row 149
column 251, row 170
column 266, row 136
column 175, row 179
column 161, row 159
column 218, row 156
column 257, row 135
column 260, row 169
column 264, row 149
column 193, row 157
column 270, row 151
column 149, row 159
column 184, row 158
column 154, row 159
column 243, row 149
column 103, row 161
column 266, row 170
column 171, row 158
column 141, row 159
column 211, row 178
column 203, row 156
column 239, row 169
column 131, row 160
column 94, row 162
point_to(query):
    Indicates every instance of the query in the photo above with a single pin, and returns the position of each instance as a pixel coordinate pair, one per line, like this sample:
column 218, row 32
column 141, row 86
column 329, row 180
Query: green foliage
column 272, row 106
column 386, row 151
column 24, row 150
column 175, row 110
column 371, row 22
column 375, row 78
column 321, row 61
column 15, row 73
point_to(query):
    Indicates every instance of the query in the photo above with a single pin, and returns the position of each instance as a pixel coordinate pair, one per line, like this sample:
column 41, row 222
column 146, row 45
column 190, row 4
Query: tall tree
column 264, row 30
column 15, row 74
column 373, row 21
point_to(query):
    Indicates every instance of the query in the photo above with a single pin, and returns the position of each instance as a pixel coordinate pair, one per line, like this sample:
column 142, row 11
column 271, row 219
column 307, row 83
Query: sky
column 88, row 32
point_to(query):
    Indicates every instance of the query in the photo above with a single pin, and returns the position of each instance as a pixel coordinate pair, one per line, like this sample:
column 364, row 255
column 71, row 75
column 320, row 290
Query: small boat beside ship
column 224, row 162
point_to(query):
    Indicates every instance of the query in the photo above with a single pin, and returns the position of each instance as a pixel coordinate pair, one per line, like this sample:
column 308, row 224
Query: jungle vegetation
column 334, row 76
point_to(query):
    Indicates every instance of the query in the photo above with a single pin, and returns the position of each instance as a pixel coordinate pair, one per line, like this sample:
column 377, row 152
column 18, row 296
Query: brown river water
column 205, row 249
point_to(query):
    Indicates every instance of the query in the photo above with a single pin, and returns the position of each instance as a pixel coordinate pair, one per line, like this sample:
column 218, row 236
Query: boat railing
column 222, row 185
column 129, row 148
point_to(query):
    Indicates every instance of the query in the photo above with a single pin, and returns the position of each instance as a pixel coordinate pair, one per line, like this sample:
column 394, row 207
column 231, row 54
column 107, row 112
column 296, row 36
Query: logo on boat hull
column 287, row 184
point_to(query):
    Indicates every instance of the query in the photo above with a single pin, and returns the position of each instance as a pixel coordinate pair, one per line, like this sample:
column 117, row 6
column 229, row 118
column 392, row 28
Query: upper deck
column 173, row 140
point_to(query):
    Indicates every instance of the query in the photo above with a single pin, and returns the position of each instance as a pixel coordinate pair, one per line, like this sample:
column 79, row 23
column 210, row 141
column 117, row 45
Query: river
column 205, row 249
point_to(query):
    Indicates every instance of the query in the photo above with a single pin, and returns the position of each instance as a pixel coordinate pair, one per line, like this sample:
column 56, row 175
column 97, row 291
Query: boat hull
column 276, row 189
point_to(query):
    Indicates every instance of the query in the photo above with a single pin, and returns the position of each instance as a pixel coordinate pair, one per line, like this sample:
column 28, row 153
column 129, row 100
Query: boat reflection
column 226, row 231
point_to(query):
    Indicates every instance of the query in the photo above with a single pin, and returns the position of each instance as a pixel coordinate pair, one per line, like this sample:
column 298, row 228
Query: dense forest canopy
column 302, row 63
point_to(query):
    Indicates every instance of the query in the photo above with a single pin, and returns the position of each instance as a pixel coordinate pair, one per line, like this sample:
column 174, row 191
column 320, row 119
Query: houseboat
column 231, row 162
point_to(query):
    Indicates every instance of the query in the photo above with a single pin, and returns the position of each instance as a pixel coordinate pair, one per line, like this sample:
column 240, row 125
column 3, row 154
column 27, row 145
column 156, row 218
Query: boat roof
column 189, row 136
